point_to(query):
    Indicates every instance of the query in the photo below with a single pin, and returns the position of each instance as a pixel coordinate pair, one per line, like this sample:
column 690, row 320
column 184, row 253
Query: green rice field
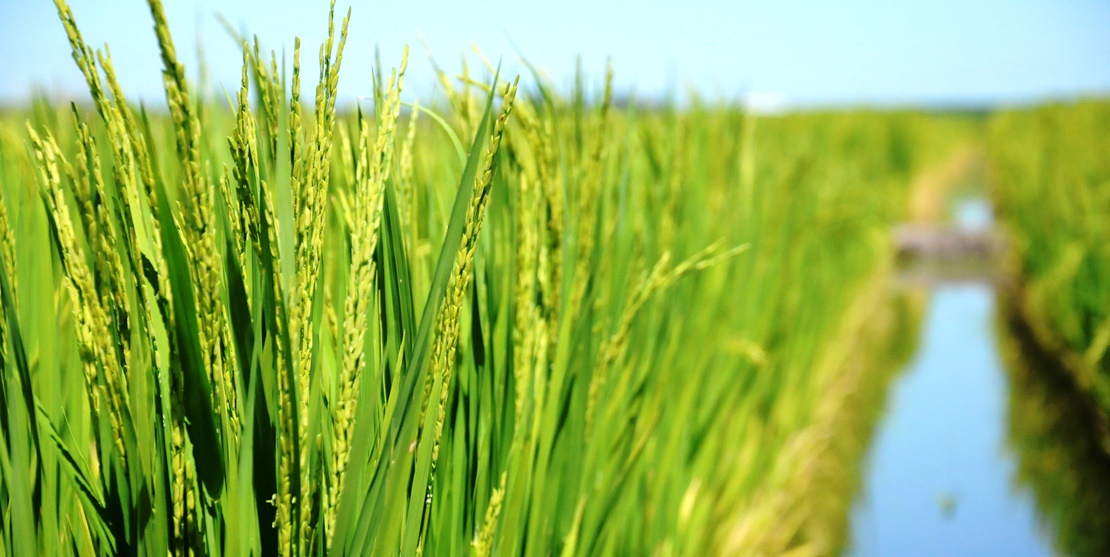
column 513, row 321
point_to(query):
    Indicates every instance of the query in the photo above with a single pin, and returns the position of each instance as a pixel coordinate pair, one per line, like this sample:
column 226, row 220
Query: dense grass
column 1051, row 177
column 521, row 323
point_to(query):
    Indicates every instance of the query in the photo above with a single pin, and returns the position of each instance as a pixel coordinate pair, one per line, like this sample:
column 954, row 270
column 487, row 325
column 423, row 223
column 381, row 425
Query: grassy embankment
column 1051, row 178
column 1060, row 455
column 520, row 324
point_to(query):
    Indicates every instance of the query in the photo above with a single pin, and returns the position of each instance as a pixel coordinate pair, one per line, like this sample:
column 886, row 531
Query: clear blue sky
column 825, row 53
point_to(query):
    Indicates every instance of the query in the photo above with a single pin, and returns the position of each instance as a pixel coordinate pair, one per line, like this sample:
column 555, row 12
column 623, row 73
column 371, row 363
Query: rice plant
column 1050, row 173
column 512, row 322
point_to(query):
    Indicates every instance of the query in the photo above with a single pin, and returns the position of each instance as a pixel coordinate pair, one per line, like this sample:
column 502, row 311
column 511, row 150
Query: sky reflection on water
column 939, row 477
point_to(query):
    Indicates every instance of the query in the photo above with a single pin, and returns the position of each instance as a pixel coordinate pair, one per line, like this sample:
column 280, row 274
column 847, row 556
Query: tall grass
column 1051, row 176
column 516, row 324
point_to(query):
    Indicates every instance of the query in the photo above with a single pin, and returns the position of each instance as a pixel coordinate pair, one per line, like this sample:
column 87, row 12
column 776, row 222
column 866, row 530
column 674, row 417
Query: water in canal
column 941, row 477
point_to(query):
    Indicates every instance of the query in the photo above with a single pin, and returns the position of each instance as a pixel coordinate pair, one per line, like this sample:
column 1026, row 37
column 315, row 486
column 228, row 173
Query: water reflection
column 1059, row 455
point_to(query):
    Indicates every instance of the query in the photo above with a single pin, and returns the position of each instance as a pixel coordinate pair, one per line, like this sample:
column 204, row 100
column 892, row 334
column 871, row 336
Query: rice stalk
column 372, row 174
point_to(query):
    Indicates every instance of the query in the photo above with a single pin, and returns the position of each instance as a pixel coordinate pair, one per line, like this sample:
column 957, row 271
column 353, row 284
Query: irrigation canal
column 941, row 476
